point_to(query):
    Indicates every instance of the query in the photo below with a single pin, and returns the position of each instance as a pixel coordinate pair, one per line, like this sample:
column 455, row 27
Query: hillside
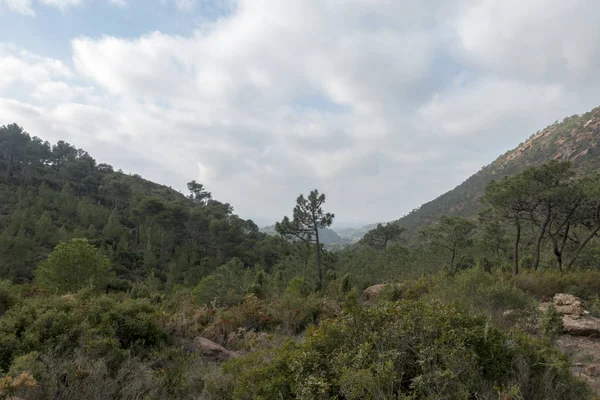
column 576, row 139
column 53, row 193
column 326, row 235
column 180, row 298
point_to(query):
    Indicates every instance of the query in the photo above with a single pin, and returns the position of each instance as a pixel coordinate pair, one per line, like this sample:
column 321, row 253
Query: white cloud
column 20, row 66
column 394, row 100
column 61, row 4
column 19, row 6
column 534, row 40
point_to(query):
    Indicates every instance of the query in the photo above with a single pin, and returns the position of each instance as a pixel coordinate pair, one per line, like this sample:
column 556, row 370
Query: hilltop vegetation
column 115, row 287
column 574, row 139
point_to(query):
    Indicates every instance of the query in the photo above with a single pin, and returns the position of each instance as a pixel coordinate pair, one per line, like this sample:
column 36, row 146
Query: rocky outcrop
column 212, row 350
column 576, row 321
column 567, row 304
column 582, row 326
column 372, row 292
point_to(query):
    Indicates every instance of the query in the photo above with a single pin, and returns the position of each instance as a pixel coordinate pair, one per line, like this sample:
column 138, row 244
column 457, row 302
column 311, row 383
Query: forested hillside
column 54, row 192
column 574, row 139
column 113, row 287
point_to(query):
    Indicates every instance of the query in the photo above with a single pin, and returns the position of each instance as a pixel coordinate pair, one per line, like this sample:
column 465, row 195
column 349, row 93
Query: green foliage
column 552, row 323
column 402, row 350
column 452, row 234
column 72, row 266
column 106, row 326
column 543, row 285
column 308, row 219
column 379, row 237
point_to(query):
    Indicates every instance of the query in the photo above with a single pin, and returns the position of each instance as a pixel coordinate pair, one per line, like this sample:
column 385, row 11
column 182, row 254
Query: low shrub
column 404, row 350
column 545, row 284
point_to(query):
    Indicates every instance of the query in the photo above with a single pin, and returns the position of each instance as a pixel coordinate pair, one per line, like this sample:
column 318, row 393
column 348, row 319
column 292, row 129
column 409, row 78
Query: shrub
column 552, row 323
column 477, row 291
column 72, row 266
column 545, row 284
column 402, row 350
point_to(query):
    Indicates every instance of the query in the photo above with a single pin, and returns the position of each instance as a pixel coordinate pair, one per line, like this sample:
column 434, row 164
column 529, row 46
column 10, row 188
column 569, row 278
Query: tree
column 379, row 237
column 548, row 187
column 150, row 207
column 511, row 201
column 72, row 266
column 12, row 143
column 588, row 214
column 198, row 193
column 308, row 218
column 452, row 233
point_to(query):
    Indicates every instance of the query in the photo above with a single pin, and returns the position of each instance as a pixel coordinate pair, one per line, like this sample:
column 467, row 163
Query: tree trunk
column 557, row 253
column 319, row 271
column 540, row 237
column 559, row 250
column 587, row 239
column 517, row 240
column 452, row 258
column 149, row 236
column 581, row 246
column 8, row 165
column 137, row 233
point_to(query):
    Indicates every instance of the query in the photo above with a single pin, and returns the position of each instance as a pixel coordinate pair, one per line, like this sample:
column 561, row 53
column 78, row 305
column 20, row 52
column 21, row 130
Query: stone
column 567, row 304
column 372, row 292
column 212, row 350
column 582, row 326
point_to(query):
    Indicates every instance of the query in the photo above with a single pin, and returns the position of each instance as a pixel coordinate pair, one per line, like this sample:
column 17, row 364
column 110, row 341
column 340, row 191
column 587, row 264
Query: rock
column 582, row 326
column 567, row 304
column 212, row 350
column 372, row 292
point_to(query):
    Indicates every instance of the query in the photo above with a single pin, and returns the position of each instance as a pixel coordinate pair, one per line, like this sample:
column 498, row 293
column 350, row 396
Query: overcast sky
column 381, row 104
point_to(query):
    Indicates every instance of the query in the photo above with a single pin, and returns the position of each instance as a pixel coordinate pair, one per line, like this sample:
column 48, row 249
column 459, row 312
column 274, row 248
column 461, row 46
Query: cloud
column 23, row 7
column 382, row 105
column 61, row 4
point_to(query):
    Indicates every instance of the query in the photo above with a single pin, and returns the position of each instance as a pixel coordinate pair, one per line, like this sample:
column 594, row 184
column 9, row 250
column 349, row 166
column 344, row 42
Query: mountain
column 53, row 193
column 326, row 235
column 355, row 234
column 576, row 139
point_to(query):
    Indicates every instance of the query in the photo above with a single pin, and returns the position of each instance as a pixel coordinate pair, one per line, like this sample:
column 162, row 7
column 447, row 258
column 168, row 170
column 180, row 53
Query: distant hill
column 576, row 138
column 355, row 234
column 327, row 236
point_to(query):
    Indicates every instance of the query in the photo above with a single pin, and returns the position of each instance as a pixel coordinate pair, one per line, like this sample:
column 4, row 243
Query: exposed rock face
column 585, row 353
column 576, row 321
column 372, row 292
column 567, row 304
column 212, row 350
column 582, row 326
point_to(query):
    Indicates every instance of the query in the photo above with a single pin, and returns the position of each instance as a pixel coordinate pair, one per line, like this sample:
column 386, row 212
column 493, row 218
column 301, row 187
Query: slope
column 576, row 139
column 53, row 193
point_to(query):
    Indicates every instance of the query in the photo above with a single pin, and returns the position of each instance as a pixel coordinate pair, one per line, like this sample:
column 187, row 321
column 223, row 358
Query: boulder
column 212, row 350
column 582, row 326
column 567, row 304
column 372, row 292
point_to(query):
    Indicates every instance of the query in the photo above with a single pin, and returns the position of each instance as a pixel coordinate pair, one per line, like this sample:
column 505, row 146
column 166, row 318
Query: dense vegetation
column 107, row 281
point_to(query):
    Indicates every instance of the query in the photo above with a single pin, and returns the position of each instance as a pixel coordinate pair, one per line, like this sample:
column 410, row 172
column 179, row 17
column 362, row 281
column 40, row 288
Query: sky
column 380, row 104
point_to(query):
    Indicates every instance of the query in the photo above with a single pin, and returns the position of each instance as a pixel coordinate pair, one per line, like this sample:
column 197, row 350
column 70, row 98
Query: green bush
column 74, row 265
column 407, row 349
column 477, row 291
column 104, row 325
column 552, row 323
column 545, row 284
